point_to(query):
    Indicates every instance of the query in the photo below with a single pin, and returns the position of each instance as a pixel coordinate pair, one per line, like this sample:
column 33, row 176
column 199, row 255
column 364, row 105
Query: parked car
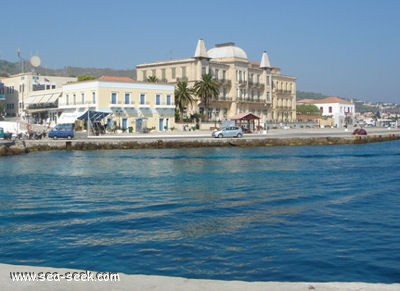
column 232, row 131
column 4, row 134
column 62, row 131
column 359, row 131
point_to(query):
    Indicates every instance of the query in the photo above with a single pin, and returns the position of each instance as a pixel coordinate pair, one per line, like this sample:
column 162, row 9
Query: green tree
column 307, row 109
column 85, row 78
column 152, row 79
column 206, row 89
column 183, row 97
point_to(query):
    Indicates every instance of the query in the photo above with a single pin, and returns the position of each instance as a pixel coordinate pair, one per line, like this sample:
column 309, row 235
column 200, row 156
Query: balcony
column 281, row 92
column 64, row 104
column 122, row 104
column 225, row 82
column 165, row 105
column 222, row 98
column 250, row 100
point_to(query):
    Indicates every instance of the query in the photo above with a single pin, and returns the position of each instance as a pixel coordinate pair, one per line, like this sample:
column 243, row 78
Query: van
column 5, row 135
column 61, row 131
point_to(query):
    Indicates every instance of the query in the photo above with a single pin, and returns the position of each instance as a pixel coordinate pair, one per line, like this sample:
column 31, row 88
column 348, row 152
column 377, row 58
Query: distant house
column 342, row 111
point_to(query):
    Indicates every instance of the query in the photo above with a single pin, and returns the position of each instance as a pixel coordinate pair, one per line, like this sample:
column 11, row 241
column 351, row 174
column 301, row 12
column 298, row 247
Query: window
column 216, row 74
column 225, row 113
column 223, row 75
column 173, row 73
column 330, row 109
column 144, row 75
column 67, row 100
column 74, row 99
column 142, row 99
column 82, row 98
column 124, row 123
column 127, row 98
column 93, row 97
column 158, row 99
column 153, row 73
column 163, row 75
column 183, row 72
column 113, row 98
column 210, row 113
column 168, row 99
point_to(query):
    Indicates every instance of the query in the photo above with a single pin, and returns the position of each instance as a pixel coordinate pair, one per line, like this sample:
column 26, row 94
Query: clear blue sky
column 346, row 48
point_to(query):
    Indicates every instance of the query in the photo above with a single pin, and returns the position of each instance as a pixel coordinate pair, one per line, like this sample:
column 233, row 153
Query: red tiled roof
column 245, row 115
column 331, row 99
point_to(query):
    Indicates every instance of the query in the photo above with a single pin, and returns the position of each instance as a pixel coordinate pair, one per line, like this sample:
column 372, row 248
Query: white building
column 130, row 104
column 342, row 111
column 32, row 96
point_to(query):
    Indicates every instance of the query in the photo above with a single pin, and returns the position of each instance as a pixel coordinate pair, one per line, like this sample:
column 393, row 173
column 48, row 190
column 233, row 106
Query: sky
column 345, row 48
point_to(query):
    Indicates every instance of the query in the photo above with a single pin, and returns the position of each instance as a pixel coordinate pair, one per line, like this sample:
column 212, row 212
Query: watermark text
column 84, row 276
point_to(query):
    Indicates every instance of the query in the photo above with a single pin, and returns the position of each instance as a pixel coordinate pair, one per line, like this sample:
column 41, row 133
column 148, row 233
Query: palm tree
column 152, row 79
column 206, row 89
column 183, row 97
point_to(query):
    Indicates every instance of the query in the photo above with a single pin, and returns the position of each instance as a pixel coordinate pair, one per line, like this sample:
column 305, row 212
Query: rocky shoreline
column 27, row 146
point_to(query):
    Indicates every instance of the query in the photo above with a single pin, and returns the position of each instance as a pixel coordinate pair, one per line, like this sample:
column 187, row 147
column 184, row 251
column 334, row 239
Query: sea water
column 307, row 213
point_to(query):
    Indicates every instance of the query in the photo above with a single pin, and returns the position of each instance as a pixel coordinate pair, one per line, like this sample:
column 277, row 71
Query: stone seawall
column 27, row 146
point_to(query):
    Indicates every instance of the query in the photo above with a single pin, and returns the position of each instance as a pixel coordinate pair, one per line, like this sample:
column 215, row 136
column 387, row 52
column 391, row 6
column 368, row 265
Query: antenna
column 21, row 60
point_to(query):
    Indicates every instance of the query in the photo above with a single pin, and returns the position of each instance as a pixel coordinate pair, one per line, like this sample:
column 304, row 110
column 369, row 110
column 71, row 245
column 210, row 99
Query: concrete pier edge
column 161, row 283
column 157, row 141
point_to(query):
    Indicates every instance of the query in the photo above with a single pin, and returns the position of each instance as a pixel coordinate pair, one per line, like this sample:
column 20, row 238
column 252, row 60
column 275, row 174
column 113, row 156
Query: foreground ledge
column 161, row 283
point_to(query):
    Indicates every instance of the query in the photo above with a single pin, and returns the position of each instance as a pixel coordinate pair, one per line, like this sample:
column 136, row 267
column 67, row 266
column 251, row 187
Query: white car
column 232, row 131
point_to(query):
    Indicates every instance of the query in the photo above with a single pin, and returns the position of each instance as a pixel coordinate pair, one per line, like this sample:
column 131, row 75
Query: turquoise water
column 313, row 213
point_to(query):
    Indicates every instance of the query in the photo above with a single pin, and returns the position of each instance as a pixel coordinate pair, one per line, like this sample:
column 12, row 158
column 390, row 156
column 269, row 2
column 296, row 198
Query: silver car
column 232, row 131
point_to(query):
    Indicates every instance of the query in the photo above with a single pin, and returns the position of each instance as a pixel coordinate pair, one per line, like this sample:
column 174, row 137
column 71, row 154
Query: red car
column 359, row 131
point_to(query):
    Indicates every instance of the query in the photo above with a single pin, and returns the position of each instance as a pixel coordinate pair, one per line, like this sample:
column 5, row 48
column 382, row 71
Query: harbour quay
column 200, row 138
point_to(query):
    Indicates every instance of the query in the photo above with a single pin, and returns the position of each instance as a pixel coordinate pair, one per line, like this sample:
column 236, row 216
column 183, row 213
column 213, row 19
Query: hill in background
column 9, row 68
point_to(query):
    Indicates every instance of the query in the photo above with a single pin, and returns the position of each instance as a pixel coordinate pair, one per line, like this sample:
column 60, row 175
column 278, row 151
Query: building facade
column 31, row 96
column 245, row 86
column 131, row 105
column 342, row 111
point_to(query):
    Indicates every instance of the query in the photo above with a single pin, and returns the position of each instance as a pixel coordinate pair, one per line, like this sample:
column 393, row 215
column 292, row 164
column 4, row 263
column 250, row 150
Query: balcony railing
column 222, row 98
column 120, row 103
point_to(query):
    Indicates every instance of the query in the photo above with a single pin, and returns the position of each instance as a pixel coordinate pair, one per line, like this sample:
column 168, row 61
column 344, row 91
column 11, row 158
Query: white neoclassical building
column 342, row 111
column 245, row 86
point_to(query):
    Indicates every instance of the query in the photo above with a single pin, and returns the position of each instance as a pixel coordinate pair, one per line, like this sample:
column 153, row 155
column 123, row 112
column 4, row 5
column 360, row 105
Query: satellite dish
column 35, row 61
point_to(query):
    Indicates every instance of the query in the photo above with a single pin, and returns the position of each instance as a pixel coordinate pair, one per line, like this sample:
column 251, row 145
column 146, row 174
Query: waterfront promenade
column 163, row 283
column 200, row 138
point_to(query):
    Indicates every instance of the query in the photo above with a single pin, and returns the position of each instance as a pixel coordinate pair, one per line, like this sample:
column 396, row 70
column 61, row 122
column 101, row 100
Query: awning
column 166, row 111
column 43, row 98
column 147, row 112
column 69, row 117
column 94, row 116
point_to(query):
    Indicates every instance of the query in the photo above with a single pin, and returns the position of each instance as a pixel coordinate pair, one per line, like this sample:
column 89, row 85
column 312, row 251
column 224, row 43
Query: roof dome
column 227, row 50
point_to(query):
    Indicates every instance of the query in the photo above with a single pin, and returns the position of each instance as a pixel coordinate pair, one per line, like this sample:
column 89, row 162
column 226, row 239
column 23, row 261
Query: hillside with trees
column 9, row 68
column 309, row 95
